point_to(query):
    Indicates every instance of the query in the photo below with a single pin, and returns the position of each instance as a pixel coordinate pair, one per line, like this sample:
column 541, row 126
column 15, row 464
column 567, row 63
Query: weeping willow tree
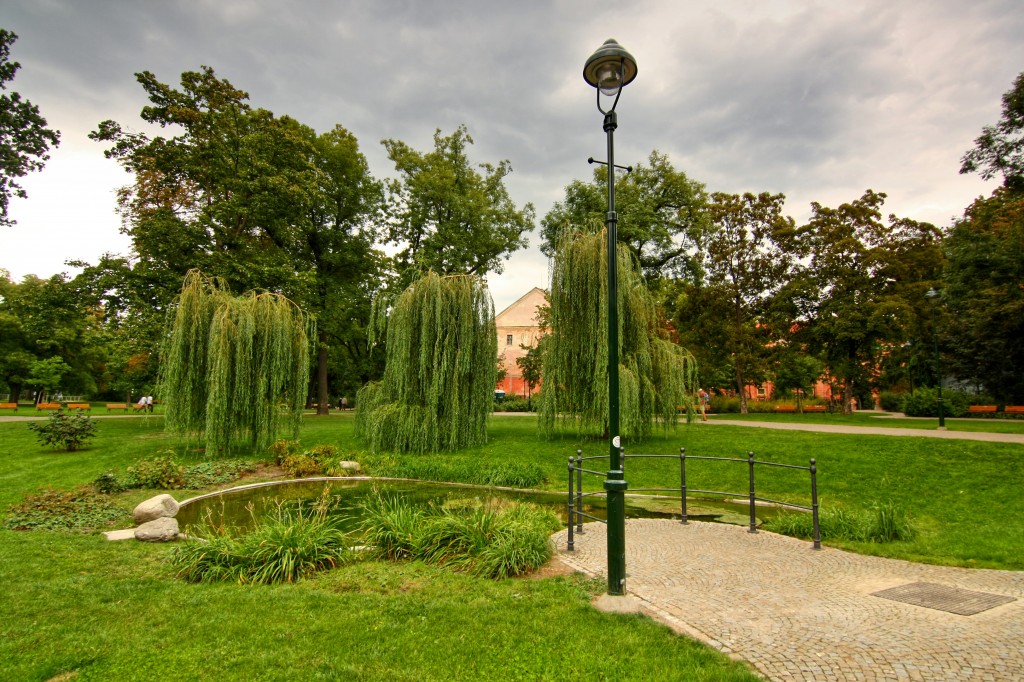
column 441, row 364
column 655, row 375
column 235, row 369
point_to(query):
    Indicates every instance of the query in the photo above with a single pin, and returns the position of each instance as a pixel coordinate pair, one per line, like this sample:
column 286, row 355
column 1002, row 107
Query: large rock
column 157, row 507
column 349, row 467
column 164, row 529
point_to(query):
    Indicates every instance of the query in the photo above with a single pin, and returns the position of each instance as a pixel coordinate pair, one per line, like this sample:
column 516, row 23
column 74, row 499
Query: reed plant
column 284, row 546
column 484, row 539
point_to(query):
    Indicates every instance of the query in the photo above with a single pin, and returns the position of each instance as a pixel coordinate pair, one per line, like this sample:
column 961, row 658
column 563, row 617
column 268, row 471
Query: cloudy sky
column 819, row 100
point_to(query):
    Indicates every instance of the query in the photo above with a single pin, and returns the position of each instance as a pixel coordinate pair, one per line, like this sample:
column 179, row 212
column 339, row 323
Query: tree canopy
column 661, row 215
column 999, row 150
column 449, row 217
column 25, row 138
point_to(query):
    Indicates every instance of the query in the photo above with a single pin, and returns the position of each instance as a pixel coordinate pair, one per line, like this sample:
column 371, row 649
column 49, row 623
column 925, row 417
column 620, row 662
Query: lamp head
column 610, row 68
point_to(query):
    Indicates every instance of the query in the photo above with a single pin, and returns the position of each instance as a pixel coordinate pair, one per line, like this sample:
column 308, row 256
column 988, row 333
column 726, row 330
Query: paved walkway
column 873, row 430
column 795, row 613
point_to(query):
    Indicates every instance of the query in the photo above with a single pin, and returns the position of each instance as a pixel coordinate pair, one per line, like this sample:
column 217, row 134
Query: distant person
column 149, row 403
column 344, row 403
column 141, row 405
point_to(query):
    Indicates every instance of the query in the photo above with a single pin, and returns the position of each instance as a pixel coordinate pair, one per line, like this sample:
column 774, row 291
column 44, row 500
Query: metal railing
column 576, row 494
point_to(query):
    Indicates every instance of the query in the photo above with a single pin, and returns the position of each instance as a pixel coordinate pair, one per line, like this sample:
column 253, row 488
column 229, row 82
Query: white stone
column 155, row 508
column 163, row 529
column 351, row 467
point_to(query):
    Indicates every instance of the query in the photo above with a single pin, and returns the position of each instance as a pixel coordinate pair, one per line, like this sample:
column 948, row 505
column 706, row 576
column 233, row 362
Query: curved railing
column 576, row 494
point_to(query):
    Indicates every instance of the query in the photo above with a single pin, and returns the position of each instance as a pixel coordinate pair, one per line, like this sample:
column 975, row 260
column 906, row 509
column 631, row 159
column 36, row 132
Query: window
column 508, row 339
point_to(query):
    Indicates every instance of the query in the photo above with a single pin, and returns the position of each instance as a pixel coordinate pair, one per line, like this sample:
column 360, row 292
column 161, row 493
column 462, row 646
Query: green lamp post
column 608, row 70
column 933, row 296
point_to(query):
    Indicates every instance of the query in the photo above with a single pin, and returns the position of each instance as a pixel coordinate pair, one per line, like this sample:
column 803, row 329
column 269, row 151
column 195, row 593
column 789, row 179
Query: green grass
column 83, row 608
column 883, row 422
column 76, row 603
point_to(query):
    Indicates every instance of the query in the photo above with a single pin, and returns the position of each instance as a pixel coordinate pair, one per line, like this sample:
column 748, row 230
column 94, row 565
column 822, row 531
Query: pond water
column 237, row 506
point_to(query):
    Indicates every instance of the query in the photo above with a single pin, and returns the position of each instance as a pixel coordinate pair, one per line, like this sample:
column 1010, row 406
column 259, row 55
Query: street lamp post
column 933, row 296
column 608, row 70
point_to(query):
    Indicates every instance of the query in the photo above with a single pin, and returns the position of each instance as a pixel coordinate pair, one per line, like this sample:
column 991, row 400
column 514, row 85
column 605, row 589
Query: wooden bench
column 981, row 409
column 785, row 408
column 80, row 406
column 47, row 406
column 814, row 408
column 9, row 406
column 139, row 408
column 1009, row 409
column 117, row 406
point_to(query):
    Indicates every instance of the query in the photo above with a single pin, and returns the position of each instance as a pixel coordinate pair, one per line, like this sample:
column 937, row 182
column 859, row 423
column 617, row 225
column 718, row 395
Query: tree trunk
column 322, row 406
column 742, row 390
column 15, row 391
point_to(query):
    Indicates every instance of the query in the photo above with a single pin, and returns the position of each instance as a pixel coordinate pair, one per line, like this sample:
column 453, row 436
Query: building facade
column 518, row 330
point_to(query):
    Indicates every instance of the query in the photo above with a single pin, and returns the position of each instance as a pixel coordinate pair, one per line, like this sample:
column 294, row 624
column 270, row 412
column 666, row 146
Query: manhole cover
column 944, row 598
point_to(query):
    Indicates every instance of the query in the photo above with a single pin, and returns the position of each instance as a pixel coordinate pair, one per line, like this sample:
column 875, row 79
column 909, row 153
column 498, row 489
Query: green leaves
column 438, row 384
column 449, row 217
column 24, row 137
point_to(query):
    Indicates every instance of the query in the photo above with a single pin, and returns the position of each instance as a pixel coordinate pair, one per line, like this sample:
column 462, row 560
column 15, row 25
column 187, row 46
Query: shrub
column 107, row 484
column 892, row 401
column 79, row 510
column 924, row 402
column 286, row 545
column 161, row 473
column 62, row 429
column 484, row 539
column 515, row 404
column 282, row 448
column 301, row 465
column 206, row 474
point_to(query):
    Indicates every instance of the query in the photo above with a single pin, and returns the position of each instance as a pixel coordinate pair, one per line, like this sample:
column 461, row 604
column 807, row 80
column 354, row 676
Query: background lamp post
column 610, row 69
column 933, row 296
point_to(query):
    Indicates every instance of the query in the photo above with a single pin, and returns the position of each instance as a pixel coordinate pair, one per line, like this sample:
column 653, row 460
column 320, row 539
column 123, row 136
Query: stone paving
column 795, row 613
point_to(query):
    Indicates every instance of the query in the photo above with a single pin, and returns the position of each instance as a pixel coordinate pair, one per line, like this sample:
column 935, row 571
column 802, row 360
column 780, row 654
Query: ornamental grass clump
column 438, row 385
column 484, row 539
column 284, row 546
column 885, row 522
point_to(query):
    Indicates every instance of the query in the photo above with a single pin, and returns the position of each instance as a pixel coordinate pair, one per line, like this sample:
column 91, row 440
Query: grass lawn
column 881, row 421
column 78, row 604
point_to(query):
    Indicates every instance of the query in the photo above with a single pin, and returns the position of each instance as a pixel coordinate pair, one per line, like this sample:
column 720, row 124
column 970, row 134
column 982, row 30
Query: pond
column 233, row 506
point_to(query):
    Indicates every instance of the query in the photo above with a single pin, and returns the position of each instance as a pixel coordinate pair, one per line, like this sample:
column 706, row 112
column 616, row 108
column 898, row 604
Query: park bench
column 80, row 406
column 47, row 406
column 9, row 406
column 785, row 408
column 814, row 408
column 1009, row 409
column 117, row 406
column 981, row 409
column 138, row 408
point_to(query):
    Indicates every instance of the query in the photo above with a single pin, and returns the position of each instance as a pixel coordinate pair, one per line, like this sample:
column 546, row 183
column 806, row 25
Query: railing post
column 753, row 497
column 814, row 504
column 569, row 544
column 579, row 491
column 682, row 484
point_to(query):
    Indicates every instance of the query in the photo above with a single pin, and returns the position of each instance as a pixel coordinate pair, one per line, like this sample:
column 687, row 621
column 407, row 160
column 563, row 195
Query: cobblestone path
column 795, row 613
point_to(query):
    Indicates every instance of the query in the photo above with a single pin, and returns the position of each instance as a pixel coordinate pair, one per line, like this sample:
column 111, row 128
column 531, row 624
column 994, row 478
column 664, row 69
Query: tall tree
column 231, row 363
column 983, row 324
column 661, row 216
column 25, row 138
column 999, row 150
column 655, row 375
column 438, row 384
column 448, row 217
column 863, row 288
column 749, row 258
column 259, row 200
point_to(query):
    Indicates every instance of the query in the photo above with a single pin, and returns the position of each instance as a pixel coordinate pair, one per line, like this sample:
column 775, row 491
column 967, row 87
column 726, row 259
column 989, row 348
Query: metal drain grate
column 944, row 598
